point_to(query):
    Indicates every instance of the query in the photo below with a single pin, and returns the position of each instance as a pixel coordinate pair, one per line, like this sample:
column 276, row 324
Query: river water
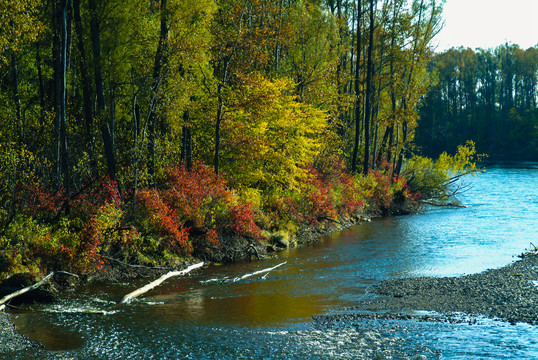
column 212, row 314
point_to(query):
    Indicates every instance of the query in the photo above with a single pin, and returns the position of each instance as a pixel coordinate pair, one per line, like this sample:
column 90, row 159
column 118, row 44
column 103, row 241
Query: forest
column 488, row 96
column 150, row 131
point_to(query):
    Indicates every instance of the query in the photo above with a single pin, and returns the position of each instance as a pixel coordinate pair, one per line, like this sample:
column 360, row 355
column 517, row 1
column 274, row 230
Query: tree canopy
column 180, row 119
column 489, row 96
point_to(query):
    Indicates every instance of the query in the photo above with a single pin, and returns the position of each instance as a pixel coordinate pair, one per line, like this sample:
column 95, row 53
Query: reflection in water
column 254, row 302
column 51, row 336
column 204, row 316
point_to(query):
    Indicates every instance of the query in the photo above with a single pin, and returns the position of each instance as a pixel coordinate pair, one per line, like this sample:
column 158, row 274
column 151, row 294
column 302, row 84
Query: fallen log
column 258, row 272
column 127, row 298
column 442, row 204
column 8, row 297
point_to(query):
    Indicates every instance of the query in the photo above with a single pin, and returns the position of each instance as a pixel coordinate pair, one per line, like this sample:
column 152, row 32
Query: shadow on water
column 51, row 336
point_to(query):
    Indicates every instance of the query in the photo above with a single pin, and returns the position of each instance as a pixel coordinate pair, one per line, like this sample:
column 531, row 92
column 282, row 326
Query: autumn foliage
column 193, row 208
column 150, row 131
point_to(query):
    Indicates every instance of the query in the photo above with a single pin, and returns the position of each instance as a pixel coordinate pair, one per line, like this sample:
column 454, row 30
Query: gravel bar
column 10, row 340
column 509, row 293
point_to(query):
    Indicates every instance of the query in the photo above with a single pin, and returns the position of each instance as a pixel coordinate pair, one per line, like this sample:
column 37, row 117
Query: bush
column 434, row 179
column 194, row 208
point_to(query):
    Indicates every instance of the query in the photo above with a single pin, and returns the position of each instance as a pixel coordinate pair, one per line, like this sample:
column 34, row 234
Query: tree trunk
column 189, row 148
column 384, row 144
column 160, row 61
column 398, row 167
column 368, row 107
column 17, row 98
column 127, row 298
column 374, row 152
column 86, row 88
column 186, row 146
column 108, row 137
column 60, row 56
column 96, row 46
column 403, row 150
column 136, row 156
column 217, row 130
column 357, row 91
column 41, row 85
column 107, row 130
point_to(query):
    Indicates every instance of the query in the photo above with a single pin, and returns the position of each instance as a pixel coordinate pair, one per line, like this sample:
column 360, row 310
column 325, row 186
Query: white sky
column 489, row 23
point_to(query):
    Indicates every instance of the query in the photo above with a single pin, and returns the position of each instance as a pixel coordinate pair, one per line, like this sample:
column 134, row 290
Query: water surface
column 208, row 315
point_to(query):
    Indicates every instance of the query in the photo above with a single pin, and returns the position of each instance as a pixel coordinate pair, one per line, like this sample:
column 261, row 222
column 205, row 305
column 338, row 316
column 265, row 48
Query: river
column 213, row 315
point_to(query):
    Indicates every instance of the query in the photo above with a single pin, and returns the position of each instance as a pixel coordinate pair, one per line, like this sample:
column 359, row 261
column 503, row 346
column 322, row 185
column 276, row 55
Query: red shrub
column 163, row 221
column 242, row 222
column 319, row 205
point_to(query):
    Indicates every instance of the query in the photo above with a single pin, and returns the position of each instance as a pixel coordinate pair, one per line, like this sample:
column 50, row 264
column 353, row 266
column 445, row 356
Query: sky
column 489, row 23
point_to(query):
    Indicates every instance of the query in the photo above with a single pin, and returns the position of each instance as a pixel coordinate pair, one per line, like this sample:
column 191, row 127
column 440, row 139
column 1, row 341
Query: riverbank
column 509, row 293
column 10, row 340
column 115, row 271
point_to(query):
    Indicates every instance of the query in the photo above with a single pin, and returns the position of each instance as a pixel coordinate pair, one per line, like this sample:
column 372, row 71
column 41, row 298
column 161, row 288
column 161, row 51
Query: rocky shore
column 10, row 340
column 509, row 294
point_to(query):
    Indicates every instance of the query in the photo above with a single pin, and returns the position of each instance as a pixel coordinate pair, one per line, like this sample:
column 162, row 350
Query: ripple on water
column 207, row 316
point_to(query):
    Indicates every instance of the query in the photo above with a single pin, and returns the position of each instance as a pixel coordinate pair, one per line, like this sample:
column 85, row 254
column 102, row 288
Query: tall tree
column 85, row 85
column 60, row 72
column 107, row 130
column 158, row 65
column 358, row 101
column 369, row 92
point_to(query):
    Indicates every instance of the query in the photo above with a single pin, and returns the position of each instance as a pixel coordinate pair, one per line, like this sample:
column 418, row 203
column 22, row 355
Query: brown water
column 208, row 315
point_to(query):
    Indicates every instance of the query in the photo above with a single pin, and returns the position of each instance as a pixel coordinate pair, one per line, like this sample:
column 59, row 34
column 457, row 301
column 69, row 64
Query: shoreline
column 508, row 294
column 117, row 271
column 10, row 339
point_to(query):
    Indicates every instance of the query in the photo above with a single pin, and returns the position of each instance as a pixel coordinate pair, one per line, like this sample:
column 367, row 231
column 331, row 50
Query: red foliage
column 91, row 239
column 93, row 196
column 200, row 199
column 319, row 206
column 193, row 193
column 242, row 222
column 351, row 203
column 380, row 191
column 37, row 202
column 164, row 221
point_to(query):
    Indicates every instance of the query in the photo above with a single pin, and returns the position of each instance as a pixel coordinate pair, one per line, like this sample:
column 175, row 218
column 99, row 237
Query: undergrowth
column 187, row 211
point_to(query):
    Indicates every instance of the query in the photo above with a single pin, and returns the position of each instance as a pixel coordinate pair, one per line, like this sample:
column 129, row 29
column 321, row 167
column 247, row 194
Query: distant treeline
column 488, row 96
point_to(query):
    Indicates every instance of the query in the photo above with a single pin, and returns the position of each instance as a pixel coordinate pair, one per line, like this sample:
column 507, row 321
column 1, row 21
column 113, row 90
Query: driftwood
column 8, row 297
column 258, row 272
column 127, row 298
column 134, row 265
column 442, row 204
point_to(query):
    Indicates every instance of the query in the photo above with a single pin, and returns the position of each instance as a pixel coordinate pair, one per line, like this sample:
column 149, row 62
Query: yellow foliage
column 19, row 25
column 432, row 178
column 272, row 137
column 16, row 167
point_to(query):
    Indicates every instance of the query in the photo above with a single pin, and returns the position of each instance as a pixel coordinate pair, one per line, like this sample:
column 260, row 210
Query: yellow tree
column 245, row 33
column 271, row 136
column 19, row 26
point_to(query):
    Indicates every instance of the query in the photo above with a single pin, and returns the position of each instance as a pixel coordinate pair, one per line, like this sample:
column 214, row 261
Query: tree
column 243, row 31
column 60, row 73
column 357, row 89
column 368, row 107
column 483, row 95
column 274, row 138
